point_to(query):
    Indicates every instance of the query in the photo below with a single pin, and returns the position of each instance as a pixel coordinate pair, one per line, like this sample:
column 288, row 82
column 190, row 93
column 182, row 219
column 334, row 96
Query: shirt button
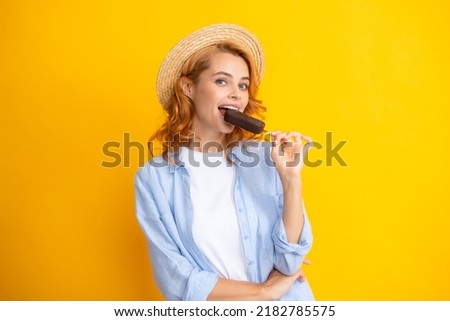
column 240, row 209
column 245, row 237
column 250, row 263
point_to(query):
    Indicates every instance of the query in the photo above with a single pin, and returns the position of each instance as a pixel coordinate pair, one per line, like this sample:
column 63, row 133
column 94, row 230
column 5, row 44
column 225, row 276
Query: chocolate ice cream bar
column 244, row 121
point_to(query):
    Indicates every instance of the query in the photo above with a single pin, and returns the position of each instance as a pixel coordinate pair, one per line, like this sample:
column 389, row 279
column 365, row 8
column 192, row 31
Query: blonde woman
column 221, row 210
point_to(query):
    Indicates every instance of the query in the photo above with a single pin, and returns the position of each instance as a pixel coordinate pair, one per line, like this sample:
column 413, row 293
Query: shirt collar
column 241, row 153
column 245, row 152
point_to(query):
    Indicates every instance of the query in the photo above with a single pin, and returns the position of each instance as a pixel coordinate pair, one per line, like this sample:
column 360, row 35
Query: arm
column 293, row 208
column 225, row 290
column 292, row 232
column 274, row 288
column 174, row 274
column 176, row 277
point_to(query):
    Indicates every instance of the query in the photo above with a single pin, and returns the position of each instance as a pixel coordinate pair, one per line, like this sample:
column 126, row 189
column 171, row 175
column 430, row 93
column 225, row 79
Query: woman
column 222, row 212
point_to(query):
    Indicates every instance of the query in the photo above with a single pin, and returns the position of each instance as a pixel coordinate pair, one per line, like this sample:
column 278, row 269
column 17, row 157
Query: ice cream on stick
column 244, row 121
column 251, row 124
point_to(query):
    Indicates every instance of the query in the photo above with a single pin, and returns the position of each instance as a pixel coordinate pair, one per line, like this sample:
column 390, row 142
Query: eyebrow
column 228, row 75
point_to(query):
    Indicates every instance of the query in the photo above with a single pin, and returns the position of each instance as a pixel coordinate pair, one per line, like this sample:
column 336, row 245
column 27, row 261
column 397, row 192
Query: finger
column 288, row 142
column 301, row 275
column 306, row 261
column 287, row 137
column 274, row 133
column 297, row 137
column 293, row 139
column 307, row 138
column 290, row 136
column 277, row 136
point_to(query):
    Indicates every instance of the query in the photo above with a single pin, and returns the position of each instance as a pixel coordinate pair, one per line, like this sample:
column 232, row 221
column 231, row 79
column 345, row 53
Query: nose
column 235, row 94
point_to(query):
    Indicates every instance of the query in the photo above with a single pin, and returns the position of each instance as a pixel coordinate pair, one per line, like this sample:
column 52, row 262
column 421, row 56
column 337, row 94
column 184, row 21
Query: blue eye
column 221, row 82
column 243, row 86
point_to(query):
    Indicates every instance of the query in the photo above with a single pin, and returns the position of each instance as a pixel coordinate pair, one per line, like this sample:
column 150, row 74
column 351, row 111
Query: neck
column 207, row 146
column 207, row 140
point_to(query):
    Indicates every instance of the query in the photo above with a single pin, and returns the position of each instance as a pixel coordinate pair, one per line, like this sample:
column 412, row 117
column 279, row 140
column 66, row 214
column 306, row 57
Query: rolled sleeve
column 200, row 284
column 289, row 256
column 175, row 274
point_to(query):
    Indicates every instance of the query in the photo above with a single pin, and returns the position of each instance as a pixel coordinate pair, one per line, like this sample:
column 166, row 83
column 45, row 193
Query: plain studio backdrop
column 77, row 97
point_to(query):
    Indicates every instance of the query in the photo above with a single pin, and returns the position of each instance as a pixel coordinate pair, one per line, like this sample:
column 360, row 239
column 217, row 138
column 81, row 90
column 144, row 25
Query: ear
column 186, row 86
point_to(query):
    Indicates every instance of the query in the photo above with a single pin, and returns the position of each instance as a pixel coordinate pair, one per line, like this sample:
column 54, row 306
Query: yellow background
column 78, row 74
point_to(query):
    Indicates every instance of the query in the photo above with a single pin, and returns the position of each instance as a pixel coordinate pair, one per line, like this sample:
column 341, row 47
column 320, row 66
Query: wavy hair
column 176, row 130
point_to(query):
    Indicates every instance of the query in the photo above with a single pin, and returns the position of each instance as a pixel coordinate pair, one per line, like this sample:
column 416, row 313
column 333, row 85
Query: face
column 223, row 85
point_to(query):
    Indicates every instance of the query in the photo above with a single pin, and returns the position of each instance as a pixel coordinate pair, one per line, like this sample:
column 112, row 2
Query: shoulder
column 156, row 169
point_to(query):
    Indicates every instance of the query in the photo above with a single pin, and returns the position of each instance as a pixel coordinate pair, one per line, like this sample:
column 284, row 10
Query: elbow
column 289, row 264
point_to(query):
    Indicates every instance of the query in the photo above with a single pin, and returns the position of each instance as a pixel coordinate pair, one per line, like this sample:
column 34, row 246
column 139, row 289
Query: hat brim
column 170, row 70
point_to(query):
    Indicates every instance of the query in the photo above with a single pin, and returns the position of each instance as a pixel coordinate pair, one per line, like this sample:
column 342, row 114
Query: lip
column 231, row 105
column 238, row 107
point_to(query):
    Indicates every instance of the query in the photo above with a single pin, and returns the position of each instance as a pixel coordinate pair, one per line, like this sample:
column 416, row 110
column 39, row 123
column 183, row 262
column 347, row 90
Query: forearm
column 238, row 290
column 293, row 209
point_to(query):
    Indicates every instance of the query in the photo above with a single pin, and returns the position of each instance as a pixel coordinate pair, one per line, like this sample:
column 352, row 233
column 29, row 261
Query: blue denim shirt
column 164, row 212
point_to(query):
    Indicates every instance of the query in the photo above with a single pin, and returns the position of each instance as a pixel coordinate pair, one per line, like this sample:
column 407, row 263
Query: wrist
column 265, row 292
column 291, row 181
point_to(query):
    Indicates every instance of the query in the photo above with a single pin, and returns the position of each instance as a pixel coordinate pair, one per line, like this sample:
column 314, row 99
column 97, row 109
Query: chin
column 227, row 130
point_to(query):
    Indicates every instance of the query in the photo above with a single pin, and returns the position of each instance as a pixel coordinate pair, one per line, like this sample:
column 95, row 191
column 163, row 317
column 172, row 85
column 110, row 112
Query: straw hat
column 170, row 70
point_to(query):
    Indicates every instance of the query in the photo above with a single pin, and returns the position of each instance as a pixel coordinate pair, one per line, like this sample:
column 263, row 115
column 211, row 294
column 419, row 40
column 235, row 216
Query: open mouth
column 224, row 108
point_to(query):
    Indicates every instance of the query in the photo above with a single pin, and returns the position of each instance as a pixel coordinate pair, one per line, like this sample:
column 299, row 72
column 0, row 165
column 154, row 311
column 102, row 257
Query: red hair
column 176, row 130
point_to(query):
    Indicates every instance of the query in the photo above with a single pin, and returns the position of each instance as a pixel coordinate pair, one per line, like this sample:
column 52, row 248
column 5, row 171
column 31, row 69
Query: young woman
column 222, row 211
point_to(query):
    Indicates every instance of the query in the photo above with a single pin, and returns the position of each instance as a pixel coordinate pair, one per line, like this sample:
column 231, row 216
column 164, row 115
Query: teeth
column 228, row 107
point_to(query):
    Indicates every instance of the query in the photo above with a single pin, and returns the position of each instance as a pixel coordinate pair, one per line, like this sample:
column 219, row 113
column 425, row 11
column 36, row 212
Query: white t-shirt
column 215, row 225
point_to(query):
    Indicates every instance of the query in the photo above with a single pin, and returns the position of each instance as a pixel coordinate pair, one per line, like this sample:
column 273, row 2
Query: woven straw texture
column 170, row 70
